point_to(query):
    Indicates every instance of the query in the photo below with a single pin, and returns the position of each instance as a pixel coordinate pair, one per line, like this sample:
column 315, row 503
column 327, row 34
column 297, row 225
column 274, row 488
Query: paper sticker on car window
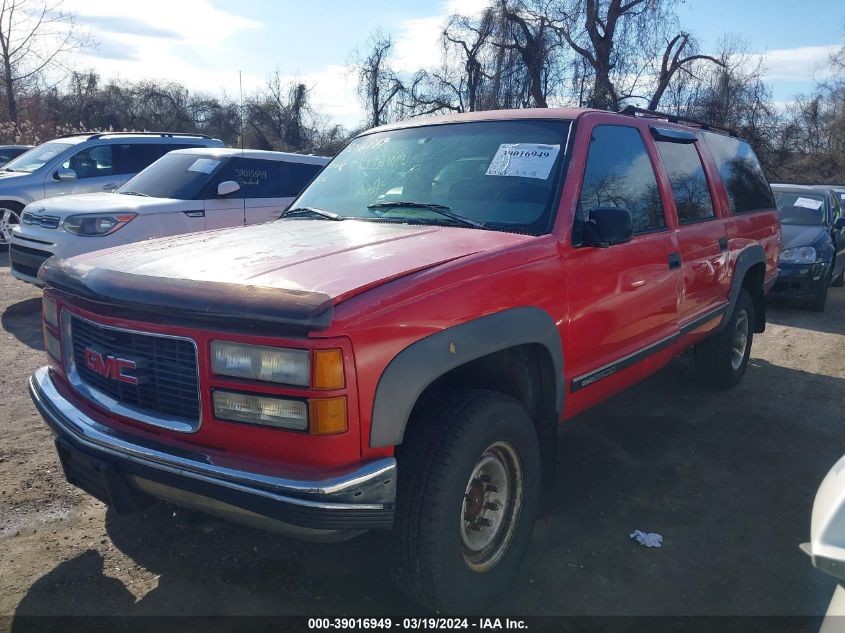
column 204, row 165
column 808, row 203
column 526, row 160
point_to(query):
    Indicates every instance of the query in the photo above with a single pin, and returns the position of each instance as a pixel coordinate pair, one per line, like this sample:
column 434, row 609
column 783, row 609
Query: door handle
column 723, row 244
column 674, row 261
column 110, row 186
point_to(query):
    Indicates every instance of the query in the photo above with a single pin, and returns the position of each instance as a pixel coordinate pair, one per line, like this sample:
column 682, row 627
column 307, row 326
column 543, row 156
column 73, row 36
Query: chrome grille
column 167, row 391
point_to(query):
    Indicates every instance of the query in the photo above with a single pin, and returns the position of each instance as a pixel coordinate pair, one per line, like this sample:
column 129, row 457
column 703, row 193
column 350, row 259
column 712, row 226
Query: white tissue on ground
column 648, row 539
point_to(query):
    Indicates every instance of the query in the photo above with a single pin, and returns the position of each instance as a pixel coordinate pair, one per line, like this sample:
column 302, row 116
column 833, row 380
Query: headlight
column 93, row 225
column 264, row 410
column 803, row 255
column 257, row 362
column 50, row 310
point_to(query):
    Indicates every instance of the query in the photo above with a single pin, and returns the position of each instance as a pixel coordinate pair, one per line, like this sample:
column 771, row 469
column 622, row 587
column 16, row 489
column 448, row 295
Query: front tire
column 469, row 491
column 10, row 216
column 721, row 360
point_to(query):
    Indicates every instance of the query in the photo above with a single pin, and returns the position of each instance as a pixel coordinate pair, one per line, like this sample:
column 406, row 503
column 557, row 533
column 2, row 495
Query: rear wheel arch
column 749, row 274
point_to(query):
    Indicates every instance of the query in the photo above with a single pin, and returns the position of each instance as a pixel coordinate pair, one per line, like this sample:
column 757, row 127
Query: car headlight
column 94, row 225
column 257, row 362
column 803, row 255
column 253, row 408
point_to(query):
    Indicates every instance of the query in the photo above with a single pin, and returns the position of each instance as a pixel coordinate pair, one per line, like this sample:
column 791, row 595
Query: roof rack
column 94, row 135
column 676, row 118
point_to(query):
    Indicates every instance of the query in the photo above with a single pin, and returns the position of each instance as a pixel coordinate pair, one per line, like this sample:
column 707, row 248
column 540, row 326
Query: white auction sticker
column 808, row 203
column 527, row 160
column 204, row 165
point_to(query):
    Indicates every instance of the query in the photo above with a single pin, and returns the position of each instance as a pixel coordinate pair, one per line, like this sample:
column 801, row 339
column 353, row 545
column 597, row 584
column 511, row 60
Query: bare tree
column 378, row 85
column 35, row 35
column 619, row 40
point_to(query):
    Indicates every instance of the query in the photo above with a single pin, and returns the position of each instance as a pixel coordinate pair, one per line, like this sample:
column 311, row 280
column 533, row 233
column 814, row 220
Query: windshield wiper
column 314, row 210
column 134, row 193
column 440, row 209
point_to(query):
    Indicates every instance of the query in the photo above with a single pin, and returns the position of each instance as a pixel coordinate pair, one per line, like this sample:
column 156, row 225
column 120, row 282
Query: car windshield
column 801, row 208
column 496, row 174
column 37, row 157
column 176, row 176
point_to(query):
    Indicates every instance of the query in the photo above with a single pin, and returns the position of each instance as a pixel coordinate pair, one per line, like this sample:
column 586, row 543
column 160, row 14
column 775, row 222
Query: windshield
column 501, row 174
column 37, row 157
column 801, row 208
column 177, row 176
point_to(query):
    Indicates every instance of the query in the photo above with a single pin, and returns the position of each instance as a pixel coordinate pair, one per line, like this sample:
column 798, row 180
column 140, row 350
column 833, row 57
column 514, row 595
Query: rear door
column 622, row 299
column 701, row 234
column 287, row 180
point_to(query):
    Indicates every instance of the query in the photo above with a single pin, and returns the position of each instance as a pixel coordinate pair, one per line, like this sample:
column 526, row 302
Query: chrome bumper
column 334, row 506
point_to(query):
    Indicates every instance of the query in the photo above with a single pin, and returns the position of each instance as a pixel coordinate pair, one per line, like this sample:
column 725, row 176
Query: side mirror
column 227, row 187
column 607, row 226
column 65, row 174
column 839, row 224
column 827, row 529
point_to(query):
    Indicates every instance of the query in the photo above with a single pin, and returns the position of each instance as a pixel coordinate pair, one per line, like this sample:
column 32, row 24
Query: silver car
column 82, row 163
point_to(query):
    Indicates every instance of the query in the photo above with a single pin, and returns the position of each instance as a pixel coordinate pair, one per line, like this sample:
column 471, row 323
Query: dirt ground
column 727, row 479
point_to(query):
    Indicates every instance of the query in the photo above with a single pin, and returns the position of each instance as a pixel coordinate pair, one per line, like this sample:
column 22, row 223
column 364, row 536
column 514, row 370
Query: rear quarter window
column 745, row 182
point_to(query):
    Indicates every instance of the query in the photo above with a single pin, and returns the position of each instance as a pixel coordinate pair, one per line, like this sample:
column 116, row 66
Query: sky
column 205, row 43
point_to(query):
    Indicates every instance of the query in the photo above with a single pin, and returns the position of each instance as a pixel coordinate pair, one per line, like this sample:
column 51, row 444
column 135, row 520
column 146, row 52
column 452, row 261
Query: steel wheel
column 491, row 506
column 739, row 342
column 8, row 219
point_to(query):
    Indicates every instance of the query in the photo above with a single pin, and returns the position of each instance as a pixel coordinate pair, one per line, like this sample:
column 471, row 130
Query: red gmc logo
column 110, row 366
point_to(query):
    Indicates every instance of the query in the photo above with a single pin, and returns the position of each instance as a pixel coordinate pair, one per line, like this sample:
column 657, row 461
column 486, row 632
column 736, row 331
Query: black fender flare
column 417, row 366
column 748, row 257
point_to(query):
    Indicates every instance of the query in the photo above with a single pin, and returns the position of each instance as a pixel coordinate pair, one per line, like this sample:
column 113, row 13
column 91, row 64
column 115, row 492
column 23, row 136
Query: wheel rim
column 740, row 340
column 8, row 218
column 491, row 505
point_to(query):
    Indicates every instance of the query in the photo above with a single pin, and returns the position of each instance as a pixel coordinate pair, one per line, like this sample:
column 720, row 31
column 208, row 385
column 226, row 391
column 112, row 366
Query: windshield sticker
column 526, row 160
column 204, row 165
column 808, row 203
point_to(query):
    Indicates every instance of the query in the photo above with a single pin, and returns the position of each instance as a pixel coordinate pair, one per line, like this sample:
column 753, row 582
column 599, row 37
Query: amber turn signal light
column 328, row 369
column 327, row 416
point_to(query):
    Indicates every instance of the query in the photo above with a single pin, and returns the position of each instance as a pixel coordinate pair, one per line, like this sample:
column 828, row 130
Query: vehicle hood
column 296, row 268
column 795, row 236
column 102, row 202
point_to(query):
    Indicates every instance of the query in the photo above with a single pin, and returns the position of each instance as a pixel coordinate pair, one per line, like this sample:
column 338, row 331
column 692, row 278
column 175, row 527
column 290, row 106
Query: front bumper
column 122, row 470
column 26, row 258
column 800, row 281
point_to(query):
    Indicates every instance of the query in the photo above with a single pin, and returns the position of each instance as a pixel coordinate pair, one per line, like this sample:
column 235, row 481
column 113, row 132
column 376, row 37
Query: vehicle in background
column 185, row 191
column 813, row 256
column 8, row 152
column 81, row 163
column 398, row 351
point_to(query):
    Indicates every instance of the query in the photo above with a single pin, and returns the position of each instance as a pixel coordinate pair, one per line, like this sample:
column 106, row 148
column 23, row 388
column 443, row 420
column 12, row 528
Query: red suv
column 398, row 350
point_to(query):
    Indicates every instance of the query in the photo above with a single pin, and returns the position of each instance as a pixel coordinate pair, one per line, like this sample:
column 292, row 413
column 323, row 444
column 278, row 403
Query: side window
column 619, row 174
column 295, row 176
column 130, row 158
column 257, row 178
column 91, row 162
column 689, row 183
column 746, row 184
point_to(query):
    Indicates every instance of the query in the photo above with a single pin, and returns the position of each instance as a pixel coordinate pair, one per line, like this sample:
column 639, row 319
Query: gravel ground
column 727, row 479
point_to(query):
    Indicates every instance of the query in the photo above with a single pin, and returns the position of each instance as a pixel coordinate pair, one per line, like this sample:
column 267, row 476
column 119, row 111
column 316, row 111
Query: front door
column 95, row 169
column 622, row 299
column 224, row 211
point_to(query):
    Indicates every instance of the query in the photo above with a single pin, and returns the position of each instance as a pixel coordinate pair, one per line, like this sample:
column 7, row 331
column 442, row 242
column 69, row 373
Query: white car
column 183, row 192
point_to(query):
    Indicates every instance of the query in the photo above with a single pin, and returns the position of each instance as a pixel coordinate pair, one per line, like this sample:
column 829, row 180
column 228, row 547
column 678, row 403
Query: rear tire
column 469, row 491
column 721, row 360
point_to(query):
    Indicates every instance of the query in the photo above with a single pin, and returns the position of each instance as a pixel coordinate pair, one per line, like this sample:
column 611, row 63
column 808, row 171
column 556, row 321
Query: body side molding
column 422, row 362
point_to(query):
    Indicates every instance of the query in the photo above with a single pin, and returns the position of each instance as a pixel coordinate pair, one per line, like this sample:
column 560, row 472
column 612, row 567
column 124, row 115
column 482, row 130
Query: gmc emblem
column 110, row 366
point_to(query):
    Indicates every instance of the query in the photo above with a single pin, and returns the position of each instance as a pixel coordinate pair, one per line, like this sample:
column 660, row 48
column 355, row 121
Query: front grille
column 44, row 221
column 166, row 369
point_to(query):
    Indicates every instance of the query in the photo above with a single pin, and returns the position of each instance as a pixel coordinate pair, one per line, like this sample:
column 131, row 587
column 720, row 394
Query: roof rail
column 677, row 118
column 94, row 135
